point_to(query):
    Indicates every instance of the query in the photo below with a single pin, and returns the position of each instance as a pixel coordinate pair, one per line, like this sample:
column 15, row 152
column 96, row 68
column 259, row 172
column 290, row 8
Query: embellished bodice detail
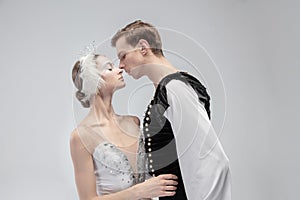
column 113, row 169
column 159, row 140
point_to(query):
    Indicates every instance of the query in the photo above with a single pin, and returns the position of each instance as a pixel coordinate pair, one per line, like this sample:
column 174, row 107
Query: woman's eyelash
column 109, row 66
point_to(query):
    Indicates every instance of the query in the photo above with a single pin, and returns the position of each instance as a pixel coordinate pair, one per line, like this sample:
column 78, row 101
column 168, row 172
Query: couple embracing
column 176, row 155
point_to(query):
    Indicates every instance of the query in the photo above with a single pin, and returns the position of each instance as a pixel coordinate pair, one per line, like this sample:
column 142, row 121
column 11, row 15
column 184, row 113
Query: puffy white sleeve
column 204, row 165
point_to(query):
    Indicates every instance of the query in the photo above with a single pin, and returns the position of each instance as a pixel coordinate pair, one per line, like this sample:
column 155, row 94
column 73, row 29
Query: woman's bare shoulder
column 131, row 118
column 135, row 119
column 81, row 136
column 75, row 139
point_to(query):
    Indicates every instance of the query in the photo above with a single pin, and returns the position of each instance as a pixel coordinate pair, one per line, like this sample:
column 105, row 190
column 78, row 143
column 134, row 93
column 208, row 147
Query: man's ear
column 144, row 45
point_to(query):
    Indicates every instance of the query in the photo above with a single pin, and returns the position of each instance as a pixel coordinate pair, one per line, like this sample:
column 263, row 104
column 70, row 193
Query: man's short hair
column 137, row 30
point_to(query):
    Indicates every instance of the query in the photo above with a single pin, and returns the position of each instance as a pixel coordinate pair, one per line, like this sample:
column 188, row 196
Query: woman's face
column 110, row 74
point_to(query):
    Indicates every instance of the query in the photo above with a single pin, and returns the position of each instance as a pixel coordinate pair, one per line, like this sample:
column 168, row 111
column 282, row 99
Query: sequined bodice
column 113, row 170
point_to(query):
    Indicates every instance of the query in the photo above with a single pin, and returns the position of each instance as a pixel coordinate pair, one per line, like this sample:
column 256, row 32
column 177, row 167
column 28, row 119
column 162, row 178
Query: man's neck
column 158, row 69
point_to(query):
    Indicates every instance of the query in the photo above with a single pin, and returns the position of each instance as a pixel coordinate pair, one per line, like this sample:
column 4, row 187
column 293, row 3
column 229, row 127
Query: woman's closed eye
column 110, row 66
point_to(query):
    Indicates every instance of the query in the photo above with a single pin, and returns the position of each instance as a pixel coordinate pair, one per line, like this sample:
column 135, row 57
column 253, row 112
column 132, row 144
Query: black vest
column 160, row 144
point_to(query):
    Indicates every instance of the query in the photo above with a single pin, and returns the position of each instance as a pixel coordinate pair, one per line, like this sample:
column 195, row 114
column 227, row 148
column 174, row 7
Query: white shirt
column 203, row 162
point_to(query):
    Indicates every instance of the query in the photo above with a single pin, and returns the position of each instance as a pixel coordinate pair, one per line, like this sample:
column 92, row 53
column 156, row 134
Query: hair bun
column 83, row 99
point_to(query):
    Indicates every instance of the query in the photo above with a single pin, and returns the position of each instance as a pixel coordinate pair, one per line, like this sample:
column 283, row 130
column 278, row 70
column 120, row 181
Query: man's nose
column 121, row 65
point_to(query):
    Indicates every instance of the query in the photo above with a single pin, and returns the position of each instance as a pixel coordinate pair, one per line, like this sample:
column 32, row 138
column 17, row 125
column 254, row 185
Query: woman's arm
column 163, row 185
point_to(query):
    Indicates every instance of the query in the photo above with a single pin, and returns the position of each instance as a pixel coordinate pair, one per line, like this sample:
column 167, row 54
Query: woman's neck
column 101, row 109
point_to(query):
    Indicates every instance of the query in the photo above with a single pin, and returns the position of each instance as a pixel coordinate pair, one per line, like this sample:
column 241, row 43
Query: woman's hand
column 160, row 186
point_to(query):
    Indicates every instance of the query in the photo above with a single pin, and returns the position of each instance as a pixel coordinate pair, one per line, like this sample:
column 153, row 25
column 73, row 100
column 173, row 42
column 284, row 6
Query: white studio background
column 255, row 45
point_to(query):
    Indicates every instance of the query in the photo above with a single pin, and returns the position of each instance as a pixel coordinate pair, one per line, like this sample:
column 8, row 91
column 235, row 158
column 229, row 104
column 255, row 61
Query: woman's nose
column 120, row 71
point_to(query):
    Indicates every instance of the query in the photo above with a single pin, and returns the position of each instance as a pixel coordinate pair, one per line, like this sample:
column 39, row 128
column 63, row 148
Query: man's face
column 130, row 58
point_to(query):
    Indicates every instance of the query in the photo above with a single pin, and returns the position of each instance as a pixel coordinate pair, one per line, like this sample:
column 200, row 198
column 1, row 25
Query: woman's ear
column 144, row 45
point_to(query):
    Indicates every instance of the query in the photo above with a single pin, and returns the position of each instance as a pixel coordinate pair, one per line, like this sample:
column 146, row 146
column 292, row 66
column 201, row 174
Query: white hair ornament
column 89, row 73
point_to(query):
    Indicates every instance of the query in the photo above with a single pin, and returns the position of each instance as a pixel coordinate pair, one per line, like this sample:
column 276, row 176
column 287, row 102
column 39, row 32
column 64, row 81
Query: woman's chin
column 121, row 86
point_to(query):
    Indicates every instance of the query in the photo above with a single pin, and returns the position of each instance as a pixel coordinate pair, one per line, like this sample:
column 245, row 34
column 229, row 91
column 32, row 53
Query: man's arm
column 204, row 165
